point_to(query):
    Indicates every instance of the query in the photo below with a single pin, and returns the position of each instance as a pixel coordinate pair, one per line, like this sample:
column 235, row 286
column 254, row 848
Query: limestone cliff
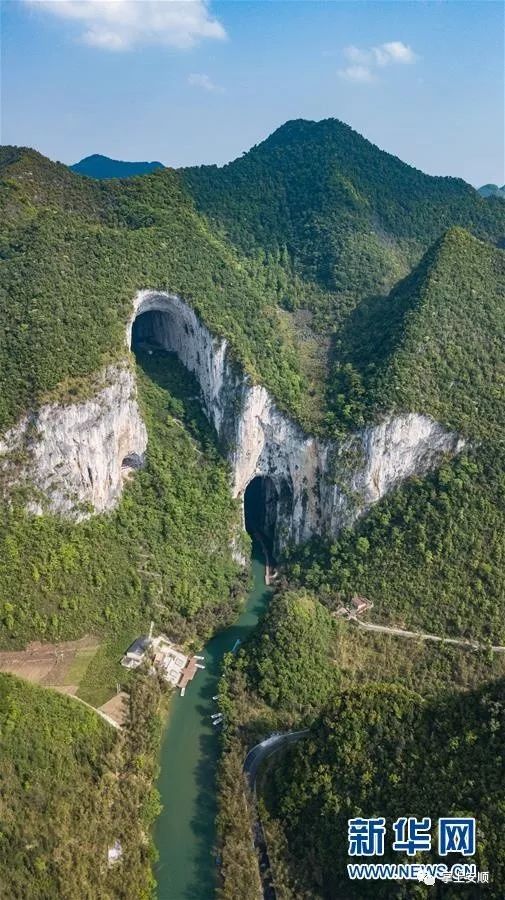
column 320, row 485
column 77, row 454
column 74, row 458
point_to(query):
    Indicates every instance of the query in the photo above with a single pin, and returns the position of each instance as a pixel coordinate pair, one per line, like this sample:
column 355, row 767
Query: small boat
column 236, row 645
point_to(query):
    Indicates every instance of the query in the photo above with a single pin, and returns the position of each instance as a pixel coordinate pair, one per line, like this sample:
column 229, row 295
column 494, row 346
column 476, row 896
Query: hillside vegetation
column 353, row 287
column 73, row 253
column 373, row 703
column 375, row 754
column 406, row 273
column 351, row 217
column 313, row 221
column 434, row 345
column 70, row 788
column 294, row 681
column 431, row 554
column 163, row 554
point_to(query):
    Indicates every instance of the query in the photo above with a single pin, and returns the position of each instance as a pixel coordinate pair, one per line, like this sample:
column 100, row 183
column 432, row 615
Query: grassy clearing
column 105, row 672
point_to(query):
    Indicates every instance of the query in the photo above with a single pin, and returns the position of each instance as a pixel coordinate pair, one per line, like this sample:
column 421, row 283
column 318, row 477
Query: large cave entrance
column 150, row 330
column 265, row 504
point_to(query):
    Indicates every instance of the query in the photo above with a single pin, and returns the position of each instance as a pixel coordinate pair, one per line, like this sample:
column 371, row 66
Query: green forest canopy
column 327, row 221
column 375, row 753
column 70, row 788
column 163, row 554
column 316, row 220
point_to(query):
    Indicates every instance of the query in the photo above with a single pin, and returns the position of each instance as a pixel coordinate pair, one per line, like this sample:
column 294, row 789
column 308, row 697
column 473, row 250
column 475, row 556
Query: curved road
column 252, row 762
column 265, row 749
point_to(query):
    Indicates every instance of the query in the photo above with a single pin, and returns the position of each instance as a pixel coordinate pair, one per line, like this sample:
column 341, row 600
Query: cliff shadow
column 183, row 395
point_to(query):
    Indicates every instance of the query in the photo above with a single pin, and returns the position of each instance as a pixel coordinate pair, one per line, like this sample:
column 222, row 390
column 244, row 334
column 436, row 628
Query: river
column 185, row 831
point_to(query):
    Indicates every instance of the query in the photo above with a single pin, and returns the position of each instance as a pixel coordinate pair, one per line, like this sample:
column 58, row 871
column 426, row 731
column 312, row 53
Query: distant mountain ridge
column 98, row 166
column 492, row 190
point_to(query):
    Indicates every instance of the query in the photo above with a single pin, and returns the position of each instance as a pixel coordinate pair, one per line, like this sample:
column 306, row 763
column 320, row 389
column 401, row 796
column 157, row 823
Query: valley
column 301, row 350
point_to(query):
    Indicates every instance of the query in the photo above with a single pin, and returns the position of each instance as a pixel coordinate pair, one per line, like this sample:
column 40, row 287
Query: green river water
column 185, row 830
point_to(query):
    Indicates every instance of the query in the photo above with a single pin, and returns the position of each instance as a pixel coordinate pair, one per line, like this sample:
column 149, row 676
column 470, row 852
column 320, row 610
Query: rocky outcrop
column 76, row 456
column 73, row 459
column 320, row 485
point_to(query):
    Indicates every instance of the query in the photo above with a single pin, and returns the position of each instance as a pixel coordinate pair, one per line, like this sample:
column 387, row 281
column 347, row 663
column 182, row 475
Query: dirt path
column 401, row 632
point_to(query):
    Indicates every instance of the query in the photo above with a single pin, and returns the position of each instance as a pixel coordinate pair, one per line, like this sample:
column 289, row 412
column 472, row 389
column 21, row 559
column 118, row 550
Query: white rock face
column 320, row 486
column 78, row 456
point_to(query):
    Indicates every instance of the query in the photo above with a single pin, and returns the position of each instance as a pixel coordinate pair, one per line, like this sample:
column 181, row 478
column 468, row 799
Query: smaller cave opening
column 132, row 461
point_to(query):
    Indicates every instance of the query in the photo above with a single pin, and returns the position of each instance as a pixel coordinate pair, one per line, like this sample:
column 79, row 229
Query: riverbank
column 185, row 832
column 275, row 688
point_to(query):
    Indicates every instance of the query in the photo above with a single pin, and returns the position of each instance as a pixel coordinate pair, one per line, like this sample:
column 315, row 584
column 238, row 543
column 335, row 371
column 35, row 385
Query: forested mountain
column 431, row 553
column 72, row 788
column 392, row 728
column 73, row 253
column 376, row 754
column 97, row 166
column 68, row 237
column 434, row 344
column 350, row 216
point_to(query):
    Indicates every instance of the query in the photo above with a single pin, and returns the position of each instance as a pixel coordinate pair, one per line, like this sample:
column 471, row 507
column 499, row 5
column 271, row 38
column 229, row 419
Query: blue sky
column 193, row 82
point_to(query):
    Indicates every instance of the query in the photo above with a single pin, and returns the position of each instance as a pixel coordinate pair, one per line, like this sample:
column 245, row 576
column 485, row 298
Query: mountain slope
column 73, row 253
column 97, row 166
column 83, row 247
column 430, row 554
column 71, row 787
column 435, row 344
column 352, row 217
column 375, row 754
column 317, row 219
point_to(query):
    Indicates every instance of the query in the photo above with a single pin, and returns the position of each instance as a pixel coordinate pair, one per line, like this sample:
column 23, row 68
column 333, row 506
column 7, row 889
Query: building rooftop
column 140, row 645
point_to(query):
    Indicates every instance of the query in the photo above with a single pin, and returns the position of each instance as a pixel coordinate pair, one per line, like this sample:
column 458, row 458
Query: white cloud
column 394, row 52
column 356, row 72
column 364, row 61
column 200, row 80
column 123, row 24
